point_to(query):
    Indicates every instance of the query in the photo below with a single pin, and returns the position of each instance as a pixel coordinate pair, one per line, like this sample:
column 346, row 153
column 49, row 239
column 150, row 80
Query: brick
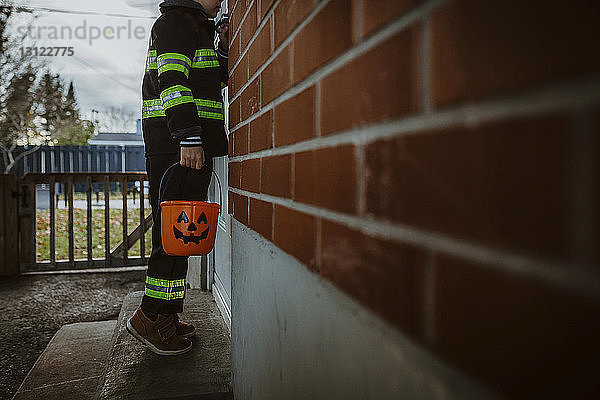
column 586, row 188
column 505, row 184
column 261, row 132
column 265, row 6
column 520, row 337
column 251, row 175
column 235, row 174
column 296, row 234
column 327, row 178
column 593, row 147
column 295, row 118
column 239, row 77
column 240, row 141
column 230, row 202
column 231, row 4
column 288, row 14
column 376, row 13
column 234, row 52
column 240, row 208
column 482, row 48
column 275, row 175
column 248, row 27
column 233, row 20
column 348, row 102
column 260, row 49
column 276, row 78
column 261, row 217
column 235, row 17
column 327, row 35
column 234, row 113
column 250, row 99
column 385, row 276
column 230, row 145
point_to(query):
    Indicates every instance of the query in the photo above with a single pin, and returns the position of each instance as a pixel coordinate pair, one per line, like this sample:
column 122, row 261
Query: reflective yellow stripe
column 205, row 58
column 206, row 108
column 176, row 95
column 174, row 62
column 163, row 295
column 151, row 60
column 165, row 282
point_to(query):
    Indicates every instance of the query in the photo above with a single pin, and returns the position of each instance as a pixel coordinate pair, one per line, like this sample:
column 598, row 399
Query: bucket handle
column 203, row 166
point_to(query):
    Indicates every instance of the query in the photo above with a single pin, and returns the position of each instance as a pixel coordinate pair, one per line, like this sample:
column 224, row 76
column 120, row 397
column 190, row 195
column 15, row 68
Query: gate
column 95, row 185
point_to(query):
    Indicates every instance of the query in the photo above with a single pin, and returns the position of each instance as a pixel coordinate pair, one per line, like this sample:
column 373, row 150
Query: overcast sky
column 109, row 51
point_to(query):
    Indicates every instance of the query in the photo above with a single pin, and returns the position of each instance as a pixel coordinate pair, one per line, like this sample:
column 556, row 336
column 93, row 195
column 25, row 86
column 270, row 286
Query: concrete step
column 134, row 372
column 71, row 365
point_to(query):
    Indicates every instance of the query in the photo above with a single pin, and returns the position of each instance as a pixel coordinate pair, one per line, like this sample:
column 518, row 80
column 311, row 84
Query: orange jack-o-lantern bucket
column 188, row 228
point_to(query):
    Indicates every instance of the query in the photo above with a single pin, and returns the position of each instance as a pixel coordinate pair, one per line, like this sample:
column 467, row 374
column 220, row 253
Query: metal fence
column 91, row 158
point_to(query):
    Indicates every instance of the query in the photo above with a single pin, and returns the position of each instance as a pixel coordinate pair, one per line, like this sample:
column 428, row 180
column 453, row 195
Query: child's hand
column 192, row 157
column 224, row 36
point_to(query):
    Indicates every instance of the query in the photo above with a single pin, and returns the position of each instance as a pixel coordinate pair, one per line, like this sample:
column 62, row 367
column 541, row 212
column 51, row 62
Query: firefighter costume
column 182, row 106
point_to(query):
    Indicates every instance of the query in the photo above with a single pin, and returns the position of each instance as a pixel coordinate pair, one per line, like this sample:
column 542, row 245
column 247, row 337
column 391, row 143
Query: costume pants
column 165, row 279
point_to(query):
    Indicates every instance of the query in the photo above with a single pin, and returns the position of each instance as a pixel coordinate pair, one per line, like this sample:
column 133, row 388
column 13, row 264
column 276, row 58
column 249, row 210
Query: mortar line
column 282, row 44
column 272, row 22
column 425, row 69
column 317, row 114
column 361, row 179
column 347, row 56
column 237, row 32
column 566, row 97
column 558, row 274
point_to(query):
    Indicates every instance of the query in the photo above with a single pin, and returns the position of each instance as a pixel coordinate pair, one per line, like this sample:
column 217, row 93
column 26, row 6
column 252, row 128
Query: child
column 183, row 121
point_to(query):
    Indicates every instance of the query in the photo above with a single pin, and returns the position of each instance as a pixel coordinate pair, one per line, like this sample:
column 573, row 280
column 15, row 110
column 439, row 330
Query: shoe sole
column 189, row 335
column 152, row 347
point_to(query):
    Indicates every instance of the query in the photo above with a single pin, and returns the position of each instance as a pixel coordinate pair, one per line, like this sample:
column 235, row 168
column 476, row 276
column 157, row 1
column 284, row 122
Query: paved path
column 34, row 307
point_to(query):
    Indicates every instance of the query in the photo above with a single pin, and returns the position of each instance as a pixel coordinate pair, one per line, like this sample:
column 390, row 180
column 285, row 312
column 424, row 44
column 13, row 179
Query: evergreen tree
column 50, row 98
column 69, row 128
column 70, row 108
column 33, row 110
column 19, row 112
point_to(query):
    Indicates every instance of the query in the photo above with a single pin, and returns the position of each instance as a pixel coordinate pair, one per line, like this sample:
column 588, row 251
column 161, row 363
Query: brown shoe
column 160, row 336
column 184, row 328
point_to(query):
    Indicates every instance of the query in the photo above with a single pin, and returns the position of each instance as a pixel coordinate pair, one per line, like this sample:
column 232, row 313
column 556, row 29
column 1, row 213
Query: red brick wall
column 439, row 162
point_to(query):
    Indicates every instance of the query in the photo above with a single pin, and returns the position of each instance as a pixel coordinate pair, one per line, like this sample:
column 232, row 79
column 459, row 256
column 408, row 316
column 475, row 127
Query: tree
column 70, row 108
column 34, row 110
column 17, row 79
column 5, row 13
column 60, row 113
column 18, row 119
column 70, row 129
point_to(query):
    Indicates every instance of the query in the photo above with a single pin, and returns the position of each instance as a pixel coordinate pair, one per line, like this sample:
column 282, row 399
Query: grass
column 112, row 196
column 80, row 233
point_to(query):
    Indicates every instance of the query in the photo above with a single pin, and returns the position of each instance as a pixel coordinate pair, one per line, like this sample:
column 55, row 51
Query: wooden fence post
column 9, row 244
column 27, row 222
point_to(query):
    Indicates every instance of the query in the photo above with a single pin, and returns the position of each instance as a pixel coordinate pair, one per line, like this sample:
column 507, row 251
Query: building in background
column 119, row 138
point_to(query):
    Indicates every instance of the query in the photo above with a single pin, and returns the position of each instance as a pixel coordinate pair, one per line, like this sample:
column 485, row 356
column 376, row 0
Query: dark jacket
column 181, row 91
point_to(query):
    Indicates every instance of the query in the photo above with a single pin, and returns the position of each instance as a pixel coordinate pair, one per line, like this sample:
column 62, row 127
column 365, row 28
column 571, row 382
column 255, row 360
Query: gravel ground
column 34, row 307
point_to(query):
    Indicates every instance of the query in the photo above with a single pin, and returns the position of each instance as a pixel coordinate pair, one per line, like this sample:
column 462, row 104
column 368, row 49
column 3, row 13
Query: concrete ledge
column 71, row 365
column 134, row 372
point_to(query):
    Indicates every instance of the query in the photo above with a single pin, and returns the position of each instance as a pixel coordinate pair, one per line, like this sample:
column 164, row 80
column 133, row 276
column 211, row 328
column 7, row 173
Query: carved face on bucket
column 188, row 231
